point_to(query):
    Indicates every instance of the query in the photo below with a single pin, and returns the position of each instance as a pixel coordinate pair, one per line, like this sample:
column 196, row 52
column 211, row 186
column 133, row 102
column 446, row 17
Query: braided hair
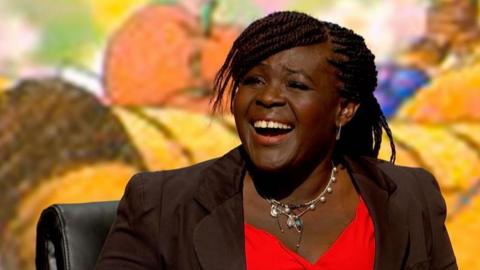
column 351, row 57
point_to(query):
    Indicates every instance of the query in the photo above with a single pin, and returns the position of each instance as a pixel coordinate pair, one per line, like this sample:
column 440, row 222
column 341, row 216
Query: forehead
column 309, row 58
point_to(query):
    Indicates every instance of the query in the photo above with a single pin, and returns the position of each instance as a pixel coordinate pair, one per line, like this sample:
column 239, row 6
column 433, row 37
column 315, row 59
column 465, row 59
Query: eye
column 252, row 80
column 298, row 85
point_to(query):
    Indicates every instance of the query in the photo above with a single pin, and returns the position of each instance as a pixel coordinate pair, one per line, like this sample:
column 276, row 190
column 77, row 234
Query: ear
column 346, row 111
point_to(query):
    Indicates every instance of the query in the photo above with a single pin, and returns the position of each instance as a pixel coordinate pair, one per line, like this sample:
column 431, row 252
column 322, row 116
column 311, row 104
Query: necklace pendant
column 295, row 222
column 274, row 211
column 291, row 221
column 298, row 224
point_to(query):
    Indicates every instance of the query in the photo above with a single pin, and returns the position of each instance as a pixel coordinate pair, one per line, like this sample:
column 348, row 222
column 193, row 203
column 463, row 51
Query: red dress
column 353, row 249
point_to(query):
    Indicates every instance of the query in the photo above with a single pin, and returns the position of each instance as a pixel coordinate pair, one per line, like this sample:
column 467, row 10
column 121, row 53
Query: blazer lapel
column 219, row 236
column 390, row 221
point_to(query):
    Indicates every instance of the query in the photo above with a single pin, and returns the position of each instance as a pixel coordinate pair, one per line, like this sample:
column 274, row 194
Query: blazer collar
column 222, row 180
column 366, row 167
column 219, row 237
column 378, row 191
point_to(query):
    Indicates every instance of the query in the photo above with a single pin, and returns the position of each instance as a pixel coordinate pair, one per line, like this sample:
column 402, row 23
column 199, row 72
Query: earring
column 339, row 131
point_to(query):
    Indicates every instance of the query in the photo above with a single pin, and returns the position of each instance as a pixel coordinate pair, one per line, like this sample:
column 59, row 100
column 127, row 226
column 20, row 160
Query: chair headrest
column 71, row 236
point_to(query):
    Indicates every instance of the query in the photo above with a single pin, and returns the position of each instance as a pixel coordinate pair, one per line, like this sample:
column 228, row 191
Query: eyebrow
column 291, row 70
column 297, row 71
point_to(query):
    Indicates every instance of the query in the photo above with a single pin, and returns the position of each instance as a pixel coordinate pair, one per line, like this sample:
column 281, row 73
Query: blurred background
column 92, row 91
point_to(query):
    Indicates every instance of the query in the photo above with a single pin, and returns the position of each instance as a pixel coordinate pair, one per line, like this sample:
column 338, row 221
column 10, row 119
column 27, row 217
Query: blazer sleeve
column 442, row 256
column 131, row 243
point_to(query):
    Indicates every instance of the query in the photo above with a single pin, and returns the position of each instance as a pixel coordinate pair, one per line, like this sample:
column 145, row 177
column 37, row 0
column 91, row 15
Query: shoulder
column 406, row 176
column 172, row 188
column 149, row 189
column 418, row 195
column 418, row 182
column 401, row 174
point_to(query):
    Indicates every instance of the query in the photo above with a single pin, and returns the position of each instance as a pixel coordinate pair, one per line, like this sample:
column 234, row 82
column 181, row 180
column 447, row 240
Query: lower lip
column 270, row 140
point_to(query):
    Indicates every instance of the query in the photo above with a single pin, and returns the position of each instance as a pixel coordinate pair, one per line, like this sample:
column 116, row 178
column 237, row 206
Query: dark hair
column 353, row 60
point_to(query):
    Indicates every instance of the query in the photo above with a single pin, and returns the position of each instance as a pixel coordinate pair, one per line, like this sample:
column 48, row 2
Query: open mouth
column 271, row 128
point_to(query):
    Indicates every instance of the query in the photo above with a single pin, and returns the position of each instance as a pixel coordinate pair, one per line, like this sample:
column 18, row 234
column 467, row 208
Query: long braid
column 358, row 73
column 352, row 59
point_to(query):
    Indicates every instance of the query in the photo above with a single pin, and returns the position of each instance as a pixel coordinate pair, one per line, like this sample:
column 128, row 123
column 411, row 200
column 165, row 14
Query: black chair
column 71, row 236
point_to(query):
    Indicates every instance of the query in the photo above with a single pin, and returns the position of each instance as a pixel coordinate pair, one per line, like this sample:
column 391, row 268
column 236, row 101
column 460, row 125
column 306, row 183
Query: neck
column 294, row 186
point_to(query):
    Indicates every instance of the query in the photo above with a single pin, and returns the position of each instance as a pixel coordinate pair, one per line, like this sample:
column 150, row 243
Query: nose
column 270, row 96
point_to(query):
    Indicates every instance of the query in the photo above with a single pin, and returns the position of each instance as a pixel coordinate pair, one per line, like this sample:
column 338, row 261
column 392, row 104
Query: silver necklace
column 294, row 212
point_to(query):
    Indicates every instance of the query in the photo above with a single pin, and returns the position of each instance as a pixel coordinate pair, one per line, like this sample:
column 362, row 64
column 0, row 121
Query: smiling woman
column 305, row 189
column 292, row 88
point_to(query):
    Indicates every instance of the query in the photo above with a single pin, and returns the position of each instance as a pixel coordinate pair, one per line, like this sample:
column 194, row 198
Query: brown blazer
column 192, row 218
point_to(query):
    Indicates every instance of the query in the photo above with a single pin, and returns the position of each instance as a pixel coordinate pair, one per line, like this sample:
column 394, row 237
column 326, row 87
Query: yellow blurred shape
column 403, row 156
column 470, row 130
column 203, row 136
column 451, row 96
column 98, row 182
column 158, row 151
column 4, row 83
column 109, row 14
column 464, row 231
column 452, row 161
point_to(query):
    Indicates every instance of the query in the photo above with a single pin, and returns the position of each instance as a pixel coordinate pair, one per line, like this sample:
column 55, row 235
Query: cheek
column 237, row 110
column 316, row 118
column 313, row 109
column 241, row 102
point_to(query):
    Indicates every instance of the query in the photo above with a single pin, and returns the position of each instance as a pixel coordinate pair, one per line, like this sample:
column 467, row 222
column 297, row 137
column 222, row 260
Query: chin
column 269, row 166
column 268, row 160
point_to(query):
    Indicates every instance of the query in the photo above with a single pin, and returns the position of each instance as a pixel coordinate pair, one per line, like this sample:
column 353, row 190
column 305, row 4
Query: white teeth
column 270, row 124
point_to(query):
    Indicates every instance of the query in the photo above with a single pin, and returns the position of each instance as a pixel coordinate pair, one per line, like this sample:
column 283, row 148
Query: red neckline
column 301, row 259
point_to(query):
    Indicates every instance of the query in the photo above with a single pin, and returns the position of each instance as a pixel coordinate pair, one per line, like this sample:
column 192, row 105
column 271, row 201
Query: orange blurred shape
column 452, row 96
column 149, row 57
column 152, row 59
column 215, row 50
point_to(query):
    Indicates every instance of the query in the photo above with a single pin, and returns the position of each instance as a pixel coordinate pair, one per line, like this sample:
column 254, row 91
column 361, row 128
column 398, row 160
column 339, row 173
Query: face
column 287, row 109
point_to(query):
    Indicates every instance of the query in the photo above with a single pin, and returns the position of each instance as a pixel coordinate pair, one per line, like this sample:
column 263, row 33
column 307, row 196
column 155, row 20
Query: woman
column 304, row 190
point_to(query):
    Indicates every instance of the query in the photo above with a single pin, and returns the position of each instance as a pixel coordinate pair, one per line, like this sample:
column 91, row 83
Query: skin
column 299, row 88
